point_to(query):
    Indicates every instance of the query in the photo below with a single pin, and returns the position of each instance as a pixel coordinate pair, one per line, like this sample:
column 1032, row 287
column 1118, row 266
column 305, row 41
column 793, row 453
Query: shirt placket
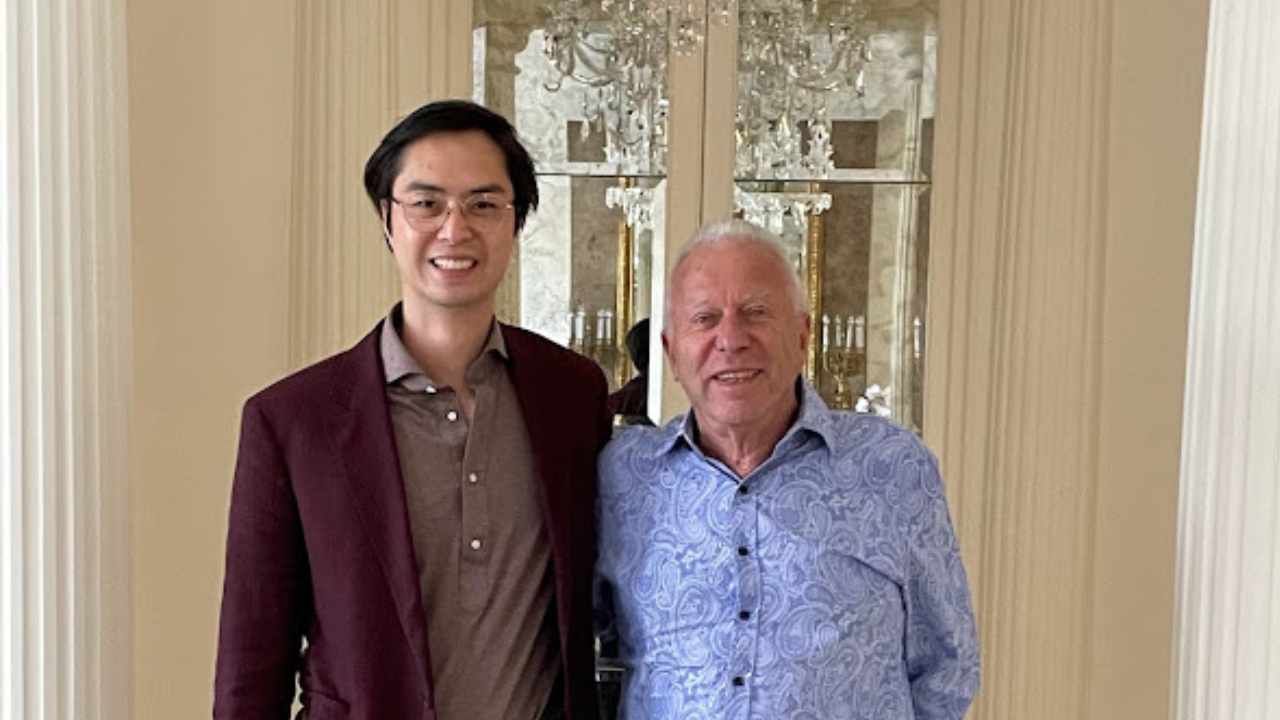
column 477, row 536
column 746, row 618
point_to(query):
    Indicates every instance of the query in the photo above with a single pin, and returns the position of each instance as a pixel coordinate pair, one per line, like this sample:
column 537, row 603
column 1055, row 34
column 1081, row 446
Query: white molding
column 65, row 352
column 1228, row 609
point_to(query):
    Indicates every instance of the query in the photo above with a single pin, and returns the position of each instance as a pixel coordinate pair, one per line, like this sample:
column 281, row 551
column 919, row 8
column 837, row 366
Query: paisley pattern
column 826, row 585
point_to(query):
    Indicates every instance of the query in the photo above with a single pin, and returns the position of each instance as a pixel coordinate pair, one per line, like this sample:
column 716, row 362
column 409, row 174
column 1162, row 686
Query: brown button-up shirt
column 475, row 512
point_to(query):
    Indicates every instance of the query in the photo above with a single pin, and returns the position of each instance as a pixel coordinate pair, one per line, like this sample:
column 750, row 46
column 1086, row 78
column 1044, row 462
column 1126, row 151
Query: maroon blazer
column 319, row 546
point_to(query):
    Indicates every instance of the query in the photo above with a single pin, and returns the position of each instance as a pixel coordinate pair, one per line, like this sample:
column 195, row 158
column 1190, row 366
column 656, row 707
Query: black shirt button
column 742, row 550
column 738, row 681
column 742, row 489
column 744, row 615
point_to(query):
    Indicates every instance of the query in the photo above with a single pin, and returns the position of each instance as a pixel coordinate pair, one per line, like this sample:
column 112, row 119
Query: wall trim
column 1228, row 609
column 1015, row 311
column 65, row 365
column 1059, row 261
column 352, row 85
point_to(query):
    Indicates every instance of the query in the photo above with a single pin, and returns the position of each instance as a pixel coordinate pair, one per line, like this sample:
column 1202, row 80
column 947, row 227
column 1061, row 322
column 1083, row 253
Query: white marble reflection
column 542, row 115
column 546, row 262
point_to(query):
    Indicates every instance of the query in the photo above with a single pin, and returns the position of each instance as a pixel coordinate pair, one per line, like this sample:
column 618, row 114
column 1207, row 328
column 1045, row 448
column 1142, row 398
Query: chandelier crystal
column 792, row 55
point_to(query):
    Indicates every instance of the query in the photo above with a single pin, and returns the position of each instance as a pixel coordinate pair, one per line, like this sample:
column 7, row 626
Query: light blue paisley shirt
column 825, row 585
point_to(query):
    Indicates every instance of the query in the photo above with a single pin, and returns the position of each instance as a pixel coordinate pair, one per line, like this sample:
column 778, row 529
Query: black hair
column 383, row 167
column 638, row 345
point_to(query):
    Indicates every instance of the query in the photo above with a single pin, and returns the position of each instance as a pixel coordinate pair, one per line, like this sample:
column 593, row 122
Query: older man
column 763, row 557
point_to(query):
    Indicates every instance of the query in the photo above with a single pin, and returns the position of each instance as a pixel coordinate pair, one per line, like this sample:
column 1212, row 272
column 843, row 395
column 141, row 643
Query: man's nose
column 456, row 225
column 730, row 334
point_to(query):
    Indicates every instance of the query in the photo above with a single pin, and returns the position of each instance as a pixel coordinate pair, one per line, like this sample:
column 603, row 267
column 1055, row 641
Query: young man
column 765, row 557
column 412, row 530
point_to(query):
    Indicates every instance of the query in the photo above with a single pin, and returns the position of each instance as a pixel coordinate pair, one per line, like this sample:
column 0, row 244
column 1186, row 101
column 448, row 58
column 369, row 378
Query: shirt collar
column 397, row 363
column 814, row 417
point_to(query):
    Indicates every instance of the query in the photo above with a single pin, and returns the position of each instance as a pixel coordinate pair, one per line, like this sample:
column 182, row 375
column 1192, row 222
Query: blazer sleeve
column 266, row 587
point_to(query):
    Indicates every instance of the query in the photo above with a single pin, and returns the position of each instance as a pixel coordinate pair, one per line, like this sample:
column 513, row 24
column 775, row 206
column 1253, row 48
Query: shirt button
column 452, row 415
column 742, row 489
column 473, row 478
column 743, row 551
column 744, row 615
column 738, row 681
column 475, row 544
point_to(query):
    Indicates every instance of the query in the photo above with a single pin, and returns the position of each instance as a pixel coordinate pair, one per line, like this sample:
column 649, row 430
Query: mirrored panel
column 862, row 249
column 833, row 136
column 586, row 87
column 833, row 153
column 585, row 274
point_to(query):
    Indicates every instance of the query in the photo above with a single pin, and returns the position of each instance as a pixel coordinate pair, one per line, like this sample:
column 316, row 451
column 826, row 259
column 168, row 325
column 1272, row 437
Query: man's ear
column 384, row 212
column 666, row 350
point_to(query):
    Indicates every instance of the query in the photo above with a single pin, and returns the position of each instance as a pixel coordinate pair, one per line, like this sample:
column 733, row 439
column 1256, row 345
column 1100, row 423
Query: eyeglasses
column 426, row 212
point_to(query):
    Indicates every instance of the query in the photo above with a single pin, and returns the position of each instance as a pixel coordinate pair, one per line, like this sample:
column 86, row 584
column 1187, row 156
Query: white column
column 1228, row 618
column 65, row 367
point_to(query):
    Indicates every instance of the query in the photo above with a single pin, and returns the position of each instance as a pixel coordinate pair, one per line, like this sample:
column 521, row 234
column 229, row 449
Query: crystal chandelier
column 781, row 213
column 618, row 50
column 792, row 54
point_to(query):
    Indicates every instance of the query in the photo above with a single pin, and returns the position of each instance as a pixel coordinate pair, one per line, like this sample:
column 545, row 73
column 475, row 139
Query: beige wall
column 1068, row 138
column 1157, row 80
column 210, row 113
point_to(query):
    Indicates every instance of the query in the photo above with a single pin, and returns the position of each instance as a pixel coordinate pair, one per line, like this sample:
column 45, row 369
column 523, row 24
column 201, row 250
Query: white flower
column 874, row 399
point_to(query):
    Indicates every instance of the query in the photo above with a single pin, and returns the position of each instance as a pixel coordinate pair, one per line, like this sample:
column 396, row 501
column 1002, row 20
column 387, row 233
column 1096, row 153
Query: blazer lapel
column 367, row 441
column 538, row 403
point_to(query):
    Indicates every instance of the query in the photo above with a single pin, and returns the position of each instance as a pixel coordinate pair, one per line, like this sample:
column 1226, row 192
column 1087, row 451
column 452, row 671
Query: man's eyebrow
column 420, row 186
column 757, row 296
column 700, row 306
column 490, row 188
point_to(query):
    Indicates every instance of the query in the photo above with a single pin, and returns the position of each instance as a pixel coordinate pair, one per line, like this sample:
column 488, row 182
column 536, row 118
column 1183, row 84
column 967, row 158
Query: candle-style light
column 839, row 356
column 578, row 330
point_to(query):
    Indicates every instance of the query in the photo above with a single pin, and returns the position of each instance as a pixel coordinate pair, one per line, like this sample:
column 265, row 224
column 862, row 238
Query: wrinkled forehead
column 740, row 269
column 701, row 286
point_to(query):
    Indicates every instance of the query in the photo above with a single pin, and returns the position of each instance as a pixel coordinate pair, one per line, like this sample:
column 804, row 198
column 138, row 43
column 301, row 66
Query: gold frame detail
column 815, row 248
column 622, row 370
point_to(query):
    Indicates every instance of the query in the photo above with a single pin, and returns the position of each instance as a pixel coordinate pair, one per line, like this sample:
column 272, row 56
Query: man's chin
column 458, row 298
column 731, row 413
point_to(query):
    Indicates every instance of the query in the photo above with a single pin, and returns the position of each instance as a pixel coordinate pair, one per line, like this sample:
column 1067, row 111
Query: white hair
column 739, row 232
